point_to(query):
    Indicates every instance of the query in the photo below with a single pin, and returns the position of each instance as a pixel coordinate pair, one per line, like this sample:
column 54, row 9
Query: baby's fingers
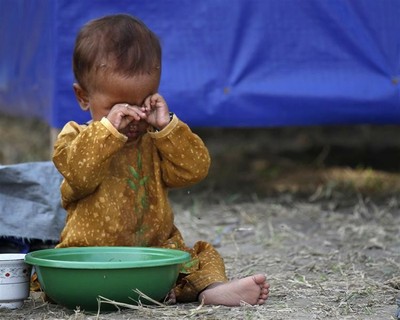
column 121, row 114
column 148, row 103
column 154, row 101
column 135, row 112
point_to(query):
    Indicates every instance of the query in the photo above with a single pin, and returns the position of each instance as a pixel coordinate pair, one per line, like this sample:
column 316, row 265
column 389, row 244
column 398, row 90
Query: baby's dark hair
column 118, row 43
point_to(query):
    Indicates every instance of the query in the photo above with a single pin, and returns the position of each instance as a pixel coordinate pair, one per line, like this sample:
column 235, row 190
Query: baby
column 118, row 167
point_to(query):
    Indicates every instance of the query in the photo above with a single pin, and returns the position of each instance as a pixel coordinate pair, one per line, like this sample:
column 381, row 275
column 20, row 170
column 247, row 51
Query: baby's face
column 112, row 89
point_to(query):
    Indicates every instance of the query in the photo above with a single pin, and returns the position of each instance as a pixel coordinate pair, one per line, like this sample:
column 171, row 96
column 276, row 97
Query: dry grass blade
column 143, row 295
column 103, row 300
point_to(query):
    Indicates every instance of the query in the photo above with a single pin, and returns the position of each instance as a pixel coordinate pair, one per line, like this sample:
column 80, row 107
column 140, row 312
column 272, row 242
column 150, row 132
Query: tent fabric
column 26, row 58
column 30, row 202
column 226, row 63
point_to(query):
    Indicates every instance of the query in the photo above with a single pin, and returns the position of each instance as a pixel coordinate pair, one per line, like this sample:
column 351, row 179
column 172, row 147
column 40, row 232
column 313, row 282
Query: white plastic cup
column 15, row 277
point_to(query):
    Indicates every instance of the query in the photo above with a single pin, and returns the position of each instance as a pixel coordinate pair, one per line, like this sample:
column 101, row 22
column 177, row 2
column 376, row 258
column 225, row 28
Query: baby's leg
column 252, row 290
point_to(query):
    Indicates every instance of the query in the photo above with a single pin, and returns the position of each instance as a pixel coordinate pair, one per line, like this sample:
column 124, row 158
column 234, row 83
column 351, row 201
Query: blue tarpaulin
column 226, row 63
column 30, row 201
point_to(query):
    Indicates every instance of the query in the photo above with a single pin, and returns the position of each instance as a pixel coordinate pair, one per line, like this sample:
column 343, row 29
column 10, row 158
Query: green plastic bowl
column 76, row 277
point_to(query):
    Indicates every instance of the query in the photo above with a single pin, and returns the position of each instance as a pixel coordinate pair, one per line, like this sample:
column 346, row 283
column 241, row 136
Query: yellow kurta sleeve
column 184, row 157
column 83, row 154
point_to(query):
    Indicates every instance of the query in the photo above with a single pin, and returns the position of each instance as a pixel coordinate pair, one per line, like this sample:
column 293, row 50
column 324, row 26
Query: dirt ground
column 316, row 209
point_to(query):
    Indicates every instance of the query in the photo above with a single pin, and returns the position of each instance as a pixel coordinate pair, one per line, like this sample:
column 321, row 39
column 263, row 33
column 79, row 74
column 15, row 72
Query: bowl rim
column 43, row 258
column 12, row 257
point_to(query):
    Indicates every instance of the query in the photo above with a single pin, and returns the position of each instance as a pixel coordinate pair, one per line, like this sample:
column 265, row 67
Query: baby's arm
column 184, row 157
column 82, row 155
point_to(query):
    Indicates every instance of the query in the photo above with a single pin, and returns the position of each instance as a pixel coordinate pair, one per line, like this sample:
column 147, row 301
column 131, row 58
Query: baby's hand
column 121, row 115
column 157, row 111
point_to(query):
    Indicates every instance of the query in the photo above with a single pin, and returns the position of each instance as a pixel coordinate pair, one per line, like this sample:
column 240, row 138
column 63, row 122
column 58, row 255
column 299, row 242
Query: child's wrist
column 171, row 116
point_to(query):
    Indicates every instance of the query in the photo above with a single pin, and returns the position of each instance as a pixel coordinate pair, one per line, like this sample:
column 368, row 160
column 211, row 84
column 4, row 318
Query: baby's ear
column 82, row 96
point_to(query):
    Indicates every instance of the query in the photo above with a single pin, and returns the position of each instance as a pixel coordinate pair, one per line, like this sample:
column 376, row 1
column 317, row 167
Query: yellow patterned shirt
column 116, row 192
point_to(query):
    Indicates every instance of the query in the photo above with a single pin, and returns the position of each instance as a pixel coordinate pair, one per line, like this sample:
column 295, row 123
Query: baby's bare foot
column 252, row 290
